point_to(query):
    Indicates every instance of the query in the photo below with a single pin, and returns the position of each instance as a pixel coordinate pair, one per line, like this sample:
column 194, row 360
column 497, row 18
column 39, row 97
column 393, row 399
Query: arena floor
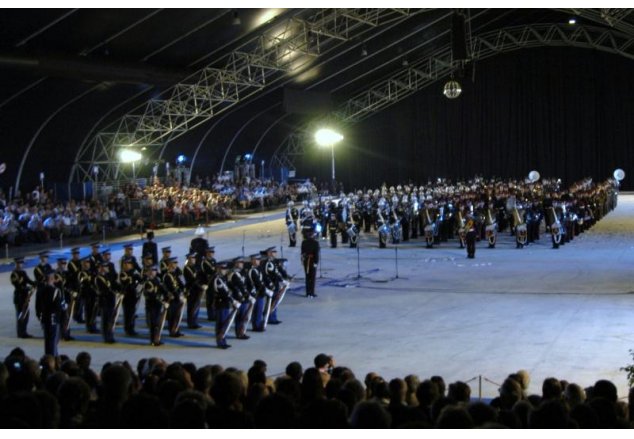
column 566, row 313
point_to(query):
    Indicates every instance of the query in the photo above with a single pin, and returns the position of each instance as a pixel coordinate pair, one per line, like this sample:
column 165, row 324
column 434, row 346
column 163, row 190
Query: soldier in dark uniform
column 130, row 279
column 164, row 264
column 292, row 215
column 75, row 306
column 61, row 276
column 128, row 254
column 88, row 294
column 333, row 226
column 95, row 258
column 225, row 306
column 49, row 306
column 208, row 268
column 307, row 221
column 194, row 286
column 262, row 293
column 42, row 269
column 147, row 265
column 199, row 245
column 24, row 289
column 107, row 301
column 156, row 304
column 471, row 236
column 175, row 290
column 275, row 282
column 150, row 247
column 239, row 293
column 310, row 260
column 106, row 257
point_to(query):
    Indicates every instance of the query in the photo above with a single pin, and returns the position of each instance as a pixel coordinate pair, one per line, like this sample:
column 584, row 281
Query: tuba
column 554, row 225
column 491, row 228
column 521, row 232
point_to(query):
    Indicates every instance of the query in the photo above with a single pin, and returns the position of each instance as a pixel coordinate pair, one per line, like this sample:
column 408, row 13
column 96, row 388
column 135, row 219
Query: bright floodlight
column 129, row 156
column 327, row 137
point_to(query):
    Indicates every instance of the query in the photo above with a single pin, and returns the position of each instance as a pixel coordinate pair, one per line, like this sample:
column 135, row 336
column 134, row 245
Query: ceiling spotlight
column 405, row 62
column 572, row 21
column 452, row 89
column 364, row 51
column 236, row 19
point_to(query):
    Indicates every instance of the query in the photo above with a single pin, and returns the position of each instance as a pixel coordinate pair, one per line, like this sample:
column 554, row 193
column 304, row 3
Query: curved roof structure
column 77, row 85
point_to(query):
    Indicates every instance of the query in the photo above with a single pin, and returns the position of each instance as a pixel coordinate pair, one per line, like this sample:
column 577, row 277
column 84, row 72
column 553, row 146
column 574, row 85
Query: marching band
column 238, row 292
column 469, row 211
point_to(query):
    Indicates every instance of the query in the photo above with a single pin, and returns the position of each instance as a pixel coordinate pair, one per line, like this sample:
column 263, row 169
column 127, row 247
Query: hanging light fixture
column 452, row 89
column 364, row 51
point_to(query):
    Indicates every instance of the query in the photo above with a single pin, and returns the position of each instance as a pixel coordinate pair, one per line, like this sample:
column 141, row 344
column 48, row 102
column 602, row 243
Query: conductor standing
column 310, row 259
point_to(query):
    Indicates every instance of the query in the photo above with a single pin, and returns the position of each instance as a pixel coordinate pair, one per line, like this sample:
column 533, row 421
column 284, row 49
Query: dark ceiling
column 66, row 74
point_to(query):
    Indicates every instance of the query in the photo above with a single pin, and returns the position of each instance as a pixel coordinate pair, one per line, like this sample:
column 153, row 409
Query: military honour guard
column 24, row 288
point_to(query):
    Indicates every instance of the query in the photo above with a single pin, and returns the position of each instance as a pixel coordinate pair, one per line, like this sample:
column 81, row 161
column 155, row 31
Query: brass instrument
column 521, row 232
column 491, row 229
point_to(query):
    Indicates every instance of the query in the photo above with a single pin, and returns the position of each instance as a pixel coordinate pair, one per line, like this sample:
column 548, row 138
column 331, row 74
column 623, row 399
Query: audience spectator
column 58, row 392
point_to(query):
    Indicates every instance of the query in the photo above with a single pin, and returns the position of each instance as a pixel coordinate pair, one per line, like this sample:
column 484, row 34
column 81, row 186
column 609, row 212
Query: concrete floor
column 565, row 313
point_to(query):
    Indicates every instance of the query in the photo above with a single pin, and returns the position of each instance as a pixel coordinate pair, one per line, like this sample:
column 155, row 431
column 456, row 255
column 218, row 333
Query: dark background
column 562, row 111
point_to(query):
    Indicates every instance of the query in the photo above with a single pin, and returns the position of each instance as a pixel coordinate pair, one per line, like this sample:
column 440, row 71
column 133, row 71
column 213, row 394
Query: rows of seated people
column 60, row 392
column 36, row 217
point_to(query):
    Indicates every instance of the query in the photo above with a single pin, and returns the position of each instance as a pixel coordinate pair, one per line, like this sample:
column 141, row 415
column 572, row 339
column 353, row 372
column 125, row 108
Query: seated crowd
column 59, row 392
column 36, row 217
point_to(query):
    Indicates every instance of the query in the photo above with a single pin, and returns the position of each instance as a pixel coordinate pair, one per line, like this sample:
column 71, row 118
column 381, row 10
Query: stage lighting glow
column 619, row 174
column 452, row 89
column 327, row 137
column 129, row 156
column 247, row 156
column 572, row 21
column 181, row 159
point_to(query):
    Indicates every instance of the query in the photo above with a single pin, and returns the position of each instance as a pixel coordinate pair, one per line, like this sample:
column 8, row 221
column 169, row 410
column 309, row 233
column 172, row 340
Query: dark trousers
column 209, row 304
column 92, row 308
column 174, row 315
column 471, row 243
column 107, row 319
column 51, row 336
column 193, row 307
column 243, row 317
column 22, row 323
column 154, row 313
column 333, row 238
column 223, row 320
column 311, row 272
column 257, row 321
column 129, row 304
column 78, row 312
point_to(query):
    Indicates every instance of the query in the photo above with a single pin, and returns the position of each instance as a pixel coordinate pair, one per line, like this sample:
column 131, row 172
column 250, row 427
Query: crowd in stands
column 37, row 217
column 60, row 392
